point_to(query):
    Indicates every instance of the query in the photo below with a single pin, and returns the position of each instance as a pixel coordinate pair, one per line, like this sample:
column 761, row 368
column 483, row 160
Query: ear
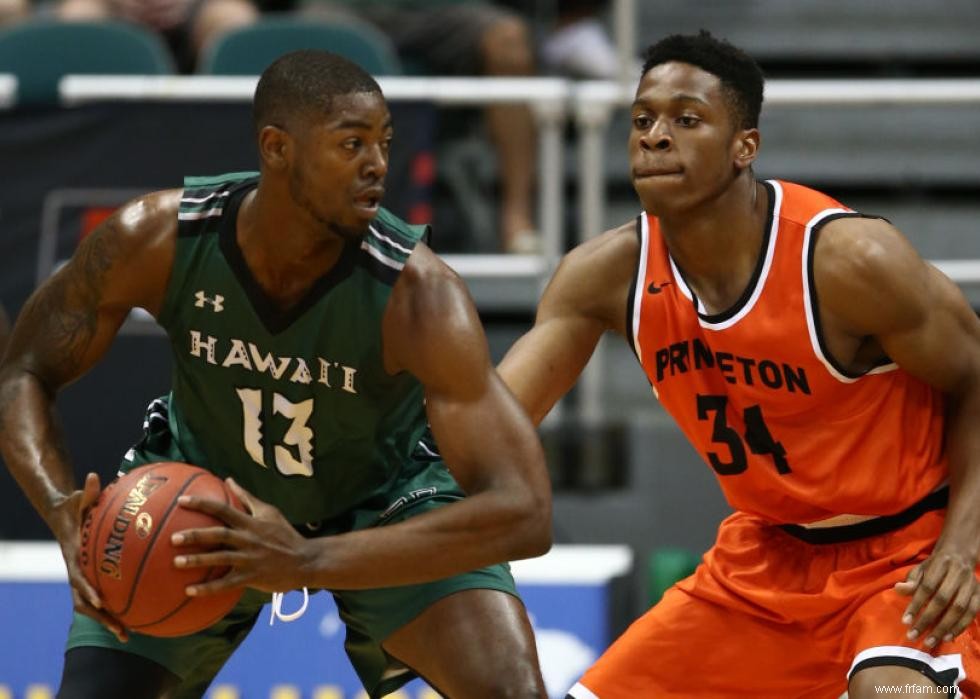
column 746, row 148
column 275, row 147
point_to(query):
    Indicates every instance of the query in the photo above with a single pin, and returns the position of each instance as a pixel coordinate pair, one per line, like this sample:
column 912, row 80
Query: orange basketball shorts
column 769, row 616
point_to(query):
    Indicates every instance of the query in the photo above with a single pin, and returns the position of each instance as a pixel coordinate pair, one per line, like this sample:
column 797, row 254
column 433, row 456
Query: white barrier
column 8, row 90
column 41, row 561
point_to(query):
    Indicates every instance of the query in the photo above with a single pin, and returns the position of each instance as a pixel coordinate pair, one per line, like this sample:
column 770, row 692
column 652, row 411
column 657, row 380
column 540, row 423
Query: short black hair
column 304, row 83
column 740, row 76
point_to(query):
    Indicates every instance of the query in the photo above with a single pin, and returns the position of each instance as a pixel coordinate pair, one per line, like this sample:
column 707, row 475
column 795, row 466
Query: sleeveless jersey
column 791, row 435
column 296, row 405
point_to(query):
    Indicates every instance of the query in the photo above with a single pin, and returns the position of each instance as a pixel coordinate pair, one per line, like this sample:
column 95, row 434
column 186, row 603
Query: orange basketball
column 127, row 555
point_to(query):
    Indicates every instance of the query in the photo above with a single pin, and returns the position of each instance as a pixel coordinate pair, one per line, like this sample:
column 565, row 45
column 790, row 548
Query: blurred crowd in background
column 565, row 38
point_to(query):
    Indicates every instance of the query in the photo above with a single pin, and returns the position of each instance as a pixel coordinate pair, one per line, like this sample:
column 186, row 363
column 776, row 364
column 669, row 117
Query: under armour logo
column 217, row 303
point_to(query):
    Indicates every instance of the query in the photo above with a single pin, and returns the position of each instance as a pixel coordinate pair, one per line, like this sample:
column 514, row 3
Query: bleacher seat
column 249, row 50
column 39, row 53
column 826, row 31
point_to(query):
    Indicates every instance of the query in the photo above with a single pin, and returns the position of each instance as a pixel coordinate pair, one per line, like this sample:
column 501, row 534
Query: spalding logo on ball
column 127, row 556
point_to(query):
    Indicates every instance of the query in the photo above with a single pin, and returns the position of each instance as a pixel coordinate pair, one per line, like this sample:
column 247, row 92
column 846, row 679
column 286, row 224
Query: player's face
column 339, row 170
column 682, row 141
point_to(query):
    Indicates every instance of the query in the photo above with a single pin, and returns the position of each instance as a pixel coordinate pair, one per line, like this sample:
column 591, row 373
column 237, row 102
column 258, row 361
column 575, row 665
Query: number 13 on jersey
column 294, row 456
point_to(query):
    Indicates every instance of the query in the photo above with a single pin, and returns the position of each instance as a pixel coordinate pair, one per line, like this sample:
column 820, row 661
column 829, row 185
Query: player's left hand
column 262, row 549
column 945, row 596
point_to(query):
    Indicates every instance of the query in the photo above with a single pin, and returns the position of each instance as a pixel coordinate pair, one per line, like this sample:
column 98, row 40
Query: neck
column 284, row 247
column 718, row 243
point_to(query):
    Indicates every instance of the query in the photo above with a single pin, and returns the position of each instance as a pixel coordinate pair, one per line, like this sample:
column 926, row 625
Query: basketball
column 126, row 553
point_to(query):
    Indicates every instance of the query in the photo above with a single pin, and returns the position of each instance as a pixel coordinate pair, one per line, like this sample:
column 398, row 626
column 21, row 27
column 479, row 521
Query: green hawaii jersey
column 296, row 405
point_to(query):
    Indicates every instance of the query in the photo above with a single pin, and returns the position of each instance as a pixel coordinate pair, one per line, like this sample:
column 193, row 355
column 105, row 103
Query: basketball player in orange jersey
column 825, row 372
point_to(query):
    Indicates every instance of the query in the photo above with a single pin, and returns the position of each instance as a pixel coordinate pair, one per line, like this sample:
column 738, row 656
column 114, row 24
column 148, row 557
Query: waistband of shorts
column 936, row 500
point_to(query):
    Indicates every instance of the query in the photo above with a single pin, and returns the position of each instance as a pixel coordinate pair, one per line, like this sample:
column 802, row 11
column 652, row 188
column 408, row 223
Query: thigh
column 92, row 672
column 375, row 618
column 475, row 644
column 686, row 647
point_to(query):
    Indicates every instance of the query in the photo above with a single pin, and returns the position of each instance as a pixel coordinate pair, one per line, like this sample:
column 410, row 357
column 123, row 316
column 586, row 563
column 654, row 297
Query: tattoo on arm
column 62, row 318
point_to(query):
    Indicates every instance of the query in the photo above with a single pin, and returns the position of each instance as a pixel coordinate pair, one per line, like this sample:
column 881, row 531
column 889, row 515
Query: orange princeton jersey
column 791, row 436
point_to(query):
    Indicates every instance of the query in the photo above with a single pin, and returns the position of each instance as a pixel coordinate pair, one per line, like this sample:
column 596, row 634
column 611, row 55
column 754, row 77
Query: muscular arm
column 63, row 329
column 586, row 297
column 431, row 330
column 873, row 285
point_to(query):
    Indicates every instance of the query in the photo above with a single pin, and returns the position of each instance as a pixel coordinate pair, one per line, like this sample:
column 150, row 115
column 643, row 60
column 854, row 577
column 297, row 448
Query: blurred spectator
column 579, row 46
column 462, row 37
column 188, row 26
column 13, row 10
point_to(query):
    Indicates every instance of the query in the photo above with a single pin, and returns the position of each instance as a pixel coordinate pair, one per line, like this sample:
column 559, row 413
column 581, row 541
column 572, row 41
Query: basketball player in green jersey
column 313, row 336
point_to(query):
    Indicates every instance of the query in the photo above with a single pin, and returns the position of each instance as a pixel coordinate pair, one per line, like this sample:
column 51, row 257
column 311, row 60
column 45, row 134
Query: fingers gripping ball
column 127, row 555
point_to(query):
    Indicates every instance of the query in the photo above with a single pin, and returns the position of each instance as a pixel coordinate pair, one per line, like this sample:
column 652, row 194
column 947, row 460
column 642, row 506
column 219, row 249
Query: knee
column 868, row 683
column 512, row 690
column 522, row 681
column 506, row 48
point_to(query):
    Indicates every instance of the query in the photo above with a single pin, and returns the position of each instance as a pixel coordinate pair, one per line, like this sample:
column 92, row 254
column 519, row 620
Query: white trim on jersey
column 939, row 663
column 389, row 241
column 381, row 257
column 428, row 451
column 641, row 277
column 682, row 285
column 579, row 691
column 760, row 283
column 197, row 215
column 201, row 200
column 808, row 304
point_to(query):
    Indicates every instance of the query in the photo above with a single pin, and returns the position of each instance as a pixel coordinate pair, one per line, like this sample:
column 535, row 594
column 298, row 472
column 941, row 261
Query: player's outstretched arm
column 873, row 286
column 63, row 329
column 586, row 296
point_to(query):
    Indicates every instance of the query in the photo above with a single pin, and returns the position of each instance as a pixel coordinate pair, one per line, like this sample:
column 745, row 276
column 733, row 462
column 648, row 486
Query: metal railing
column 548, row 99
column 553, row 101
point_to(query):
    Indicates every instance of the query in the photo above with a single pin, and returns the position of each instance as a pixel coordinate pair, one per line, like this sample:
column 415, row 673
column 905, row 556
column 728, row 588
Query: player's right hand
column 69, row 516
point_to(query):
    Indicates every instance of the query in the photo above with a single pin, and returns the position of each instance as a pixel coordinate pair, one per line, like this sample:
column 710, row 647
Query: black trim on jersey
column 272, row 316
column 199, row 226
column 377, row 269
column 756, row 273
column 633, row 283
column 946, row 678
column 936, row 500
column 815, row 303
